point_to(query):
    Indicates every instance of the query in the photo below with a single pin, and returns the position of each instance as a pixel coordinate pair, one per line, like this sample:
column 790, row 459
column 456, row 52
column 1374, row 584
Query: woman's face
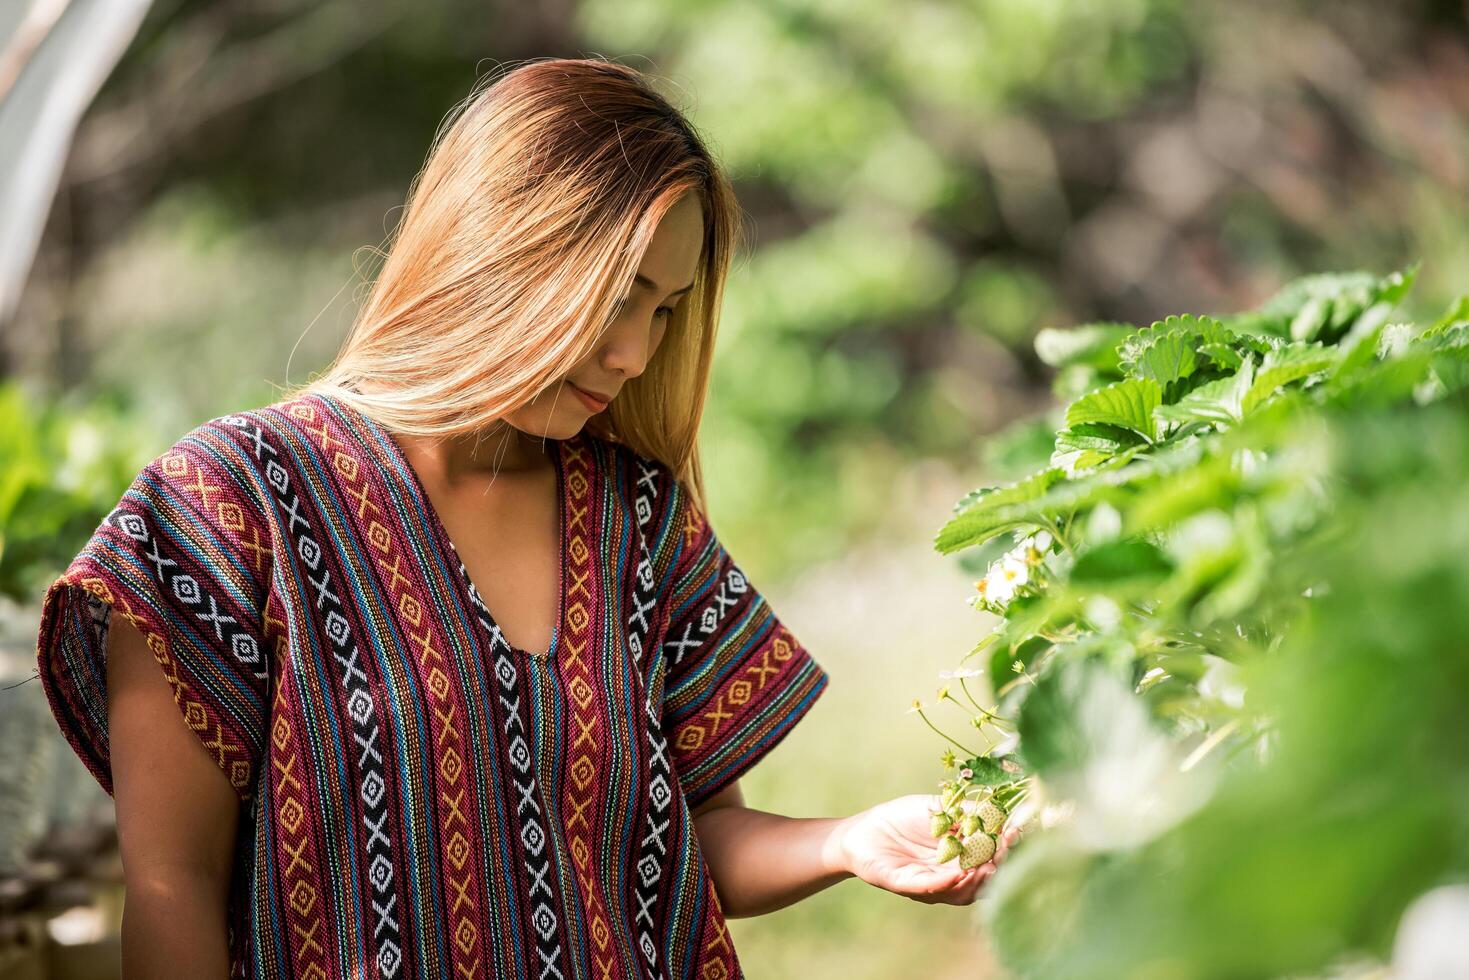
column 666, row 273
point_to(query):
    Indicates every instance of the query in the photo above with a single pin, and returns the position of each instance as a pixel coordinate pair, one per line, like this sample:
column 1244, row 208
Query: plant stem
column 1051, row 526
column 997, row 720
column 965, row 688
column 931, row 725
column 1208, row 745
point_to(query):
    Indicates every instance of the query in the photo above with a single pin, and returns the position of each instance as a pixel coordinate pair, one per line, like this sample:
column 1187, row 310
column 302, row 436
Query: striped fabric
column 420, row 798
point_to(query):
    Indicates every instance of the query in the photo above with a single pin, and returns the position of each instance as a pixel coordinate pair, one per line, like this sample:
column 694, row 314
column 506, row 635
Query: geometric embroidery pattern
column 575, row 650
column 653, row 847
column 544, row 923
column 356, row 698
column 403, row 584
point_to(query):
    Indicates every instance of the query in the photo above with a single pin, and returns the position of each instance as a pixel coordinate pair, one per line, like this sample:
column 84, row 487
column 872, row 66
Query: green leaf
column 1175, row 496
column 1358, row 351
column 1170, row 358
column 1223, row 355
column 1073, row 714
column 1323, row 307
column 1032, row 913
column 1395, row 285
column 993, row 510
column 1097, row 436
column 1128, row 404
column 1117, row 481
column 1293, row 297
column 1449, row 351
column 1091, row 444
column 1125, row 560
column 1221, row 400
column 1008, row 655
column 1315, row 314
column 994, row 770
column 1203, row 330
column 1285, row 366
column 1258, row 327
column 1075, row 461
column 1167, row 350
column 1383, row 383
column 1451, row 368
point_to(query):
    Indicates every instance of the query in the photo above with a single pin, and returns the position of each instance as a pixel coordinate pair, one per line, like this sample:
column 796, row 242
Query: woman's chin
column 561, row 425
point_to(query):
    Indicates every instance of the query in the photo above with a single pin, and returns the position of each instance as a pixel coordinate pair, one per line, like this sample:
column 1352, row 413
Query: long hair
column 524, row 228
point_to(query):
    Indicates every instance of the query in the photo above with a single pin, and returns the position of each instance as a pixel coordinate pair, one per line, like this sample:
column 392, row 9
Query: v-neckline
column 446, row 546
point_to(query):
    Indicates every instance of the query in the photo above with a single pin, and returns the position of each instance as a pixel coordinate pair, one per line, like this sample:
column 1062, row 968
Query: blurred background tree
column 928, row 184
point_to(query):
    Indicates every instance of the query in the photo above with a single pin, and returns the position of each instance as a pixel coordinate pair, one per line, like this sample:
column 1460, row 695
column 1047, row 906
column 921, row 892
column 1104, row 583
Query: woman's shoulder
column 251, row 438
column 221, row 444
column 217, row 449
column 225, row 466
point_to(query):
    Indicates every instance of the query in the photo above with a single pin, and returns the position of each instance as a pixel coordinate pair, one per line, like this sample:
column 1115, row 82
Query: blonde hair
column 520, row 234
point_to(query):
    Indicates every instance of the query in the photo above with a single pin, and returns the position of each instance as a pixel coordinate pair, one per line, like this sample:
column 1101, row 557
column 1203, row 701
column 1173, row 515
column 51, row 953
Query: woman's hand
column 890, row 845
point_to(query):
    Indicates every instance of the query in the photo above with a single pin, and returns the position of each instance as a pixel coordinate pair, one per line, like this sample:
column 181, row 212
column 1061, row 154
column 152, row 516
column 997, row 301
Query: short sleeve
column 186, row 558
column 737, row 680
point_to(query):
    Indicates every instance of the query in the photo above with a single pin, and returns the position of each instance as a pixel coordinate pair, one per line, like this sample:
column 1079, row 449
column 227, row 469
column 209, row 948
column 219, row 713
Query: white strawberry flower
column 1007, row 575
column 990, row 593
column 1032, row 548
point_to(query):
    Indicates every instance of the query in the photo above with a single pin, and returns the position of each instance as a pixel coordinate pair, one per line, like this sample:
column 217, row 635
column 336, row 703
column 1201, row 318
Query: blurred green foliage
column 935, row 182
column 1231, row 656
column 62, row 466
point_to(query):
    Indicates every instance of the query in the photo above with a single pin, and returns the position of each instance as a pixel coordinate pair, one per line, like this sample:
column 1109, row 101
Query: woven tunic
column 421, row 799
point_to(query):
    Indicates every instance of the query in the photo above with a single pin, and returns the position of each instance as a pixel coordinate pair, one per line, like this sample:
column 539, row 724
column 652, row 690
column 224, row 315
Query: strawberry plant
column 1228, row 676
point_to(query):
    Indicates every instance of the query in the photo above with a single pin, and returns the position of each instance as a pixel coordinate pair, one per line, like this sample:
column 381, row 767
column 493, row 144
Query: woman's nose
column 627, row 350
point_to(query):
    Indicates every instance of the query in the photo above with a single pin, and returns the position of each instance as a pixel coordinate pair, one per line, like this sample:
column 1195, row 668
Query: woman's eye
column 665, row 311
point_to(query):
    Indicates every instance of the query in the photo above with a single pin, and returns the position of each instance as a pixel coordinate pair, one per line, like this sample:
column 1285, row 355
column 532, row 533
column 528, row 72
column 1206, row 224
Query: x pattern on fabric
column 419, row 798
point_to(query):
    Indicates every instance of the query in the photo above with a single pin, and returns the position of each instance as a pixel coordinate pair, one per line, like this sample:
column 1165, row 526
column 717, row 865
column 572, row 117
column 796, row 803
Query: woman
column 463, row 683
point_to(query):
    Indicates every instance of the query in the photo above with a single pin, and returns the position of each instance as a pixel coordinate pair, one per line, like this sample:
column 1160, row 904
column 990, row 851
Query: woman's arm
column 762, row 861
column 176, row 821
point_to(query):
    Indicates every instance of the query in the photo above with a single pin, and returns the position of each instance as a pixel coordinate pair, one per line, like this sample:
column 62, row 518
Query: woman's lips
column 591, row 401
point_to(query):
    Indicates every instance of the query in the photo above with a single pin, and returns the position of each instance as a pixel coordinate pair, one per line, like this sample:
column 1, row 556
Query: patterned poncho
column 419, row 798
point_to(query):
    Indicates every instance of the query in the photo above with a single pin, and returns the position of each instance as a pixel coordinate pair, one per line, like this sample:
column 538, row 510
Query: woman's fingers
column 971, row 888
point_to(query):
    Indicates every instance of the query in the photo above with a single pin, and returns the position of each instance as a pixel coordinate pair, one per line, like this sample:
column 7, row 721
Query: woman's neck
column 497, row 448
column 500, row 449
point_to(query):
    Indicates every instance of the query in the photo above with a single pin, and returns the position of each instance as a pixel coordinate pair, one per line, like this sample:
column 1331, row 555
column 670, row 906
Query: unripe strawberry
column 948, row 849
column 991, row 816
column 971, row 823
column 977, row 849
column 940, row 824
